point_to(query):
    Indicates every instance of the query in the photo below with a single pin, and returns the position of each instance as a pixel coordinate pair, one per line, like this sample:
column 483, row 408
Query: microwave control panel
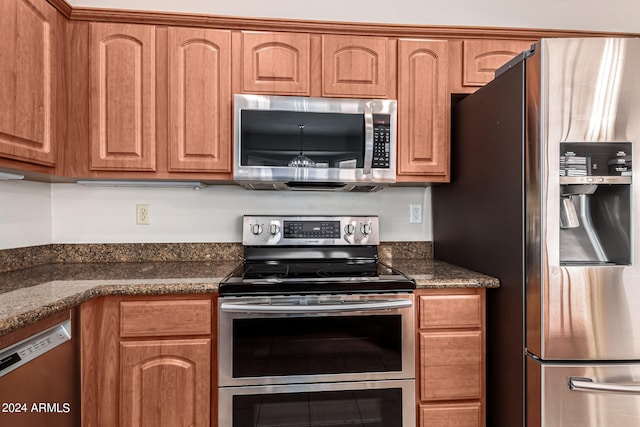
column 381, row 141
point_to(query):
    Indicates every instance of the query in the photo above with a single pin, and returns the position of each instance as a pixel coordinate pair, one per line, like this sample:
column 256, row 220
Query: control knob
column 274, row 229
column 366, row 229
column 349, row 229
column 256, row 229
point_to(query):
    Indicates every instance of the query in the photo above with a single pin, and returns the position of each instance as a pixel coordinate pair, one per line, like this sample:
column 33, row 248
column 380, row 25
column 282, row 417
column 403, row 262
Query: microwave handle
column 368, row 138
column 321, row 308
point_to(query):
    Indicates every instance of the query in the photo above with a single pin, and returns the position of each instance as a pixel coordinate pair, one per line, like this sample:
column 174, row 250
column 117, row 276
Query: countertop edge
column 57, row 296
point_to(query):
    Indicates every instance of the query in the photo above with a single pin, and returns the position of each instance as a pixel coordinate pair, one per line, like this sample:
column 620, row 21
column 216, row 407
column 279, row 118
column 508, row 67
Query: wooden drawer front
column 450, row 311
column 165, row 318
column 451, row 365
column 467, row 415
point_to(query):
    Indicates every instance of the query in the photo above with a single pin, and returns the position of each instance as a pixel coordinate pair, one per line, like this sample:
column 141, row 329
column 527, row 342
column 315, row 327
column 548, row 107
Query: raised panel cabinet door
column 28, row 67
column 122, row 97
column 199, row 62
column 276, row 63
column 165, row 383
column 354, row 66
column 423, row 110
column 481, row 58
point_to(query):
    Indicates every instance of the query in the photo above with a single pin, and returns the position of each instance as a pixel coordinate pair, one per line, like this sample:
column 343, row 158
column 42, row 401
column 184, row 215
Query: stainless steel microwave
column 303, row 143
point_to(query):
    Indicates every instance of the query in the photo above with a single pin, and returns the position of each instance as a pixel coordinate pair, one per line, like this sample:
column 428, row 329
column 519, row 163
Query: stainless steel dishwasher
column 39, row 374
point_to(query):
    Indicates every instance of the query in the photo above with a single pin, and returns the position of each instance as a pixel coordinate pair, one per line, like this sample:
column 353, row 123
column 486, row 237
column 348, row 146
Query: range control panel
column 309, row 230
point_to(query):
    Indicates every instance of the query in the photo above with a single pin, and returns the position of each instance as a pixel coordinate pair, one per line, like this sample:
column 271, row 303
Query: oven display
column 311, row 229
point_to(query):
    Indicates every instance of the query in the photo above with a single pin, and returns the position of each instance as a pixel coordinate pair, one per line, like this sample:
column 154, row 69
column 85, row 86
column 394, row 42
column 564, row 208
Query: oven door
column 315, row 338
column 371, row 404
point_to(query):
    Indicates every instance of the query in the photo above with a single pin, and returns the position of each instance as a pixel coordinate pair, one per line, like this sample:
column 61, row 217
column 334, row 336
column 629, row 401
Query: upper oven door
column 315, row 338
column 300, row 139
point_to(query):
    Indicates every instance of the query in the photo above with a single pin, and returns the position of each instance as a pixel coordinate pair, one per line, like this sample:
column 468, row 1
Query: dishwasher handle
column 315, row 308
column 589, row 385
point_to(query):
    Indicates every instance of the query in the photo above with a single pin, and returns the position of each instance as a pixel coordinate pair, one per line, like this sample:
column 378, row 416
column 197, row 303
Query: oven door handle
column 318, row 308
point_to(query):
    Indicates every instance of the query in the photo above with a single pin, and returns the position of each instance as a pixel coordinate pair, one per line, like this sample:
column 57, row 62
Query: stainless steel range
column 313, row 329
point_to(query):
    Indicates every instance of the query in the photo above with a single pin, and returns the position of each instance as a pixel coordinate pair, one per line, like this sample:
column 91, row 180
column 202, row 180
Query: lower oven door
column 371, row 404
column 315, row 338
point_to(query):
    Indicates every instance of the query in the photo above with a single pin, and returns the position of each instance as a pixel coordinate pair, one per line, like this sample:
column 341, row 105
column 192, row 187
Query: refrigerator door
column 582, row 303
column 583, row 395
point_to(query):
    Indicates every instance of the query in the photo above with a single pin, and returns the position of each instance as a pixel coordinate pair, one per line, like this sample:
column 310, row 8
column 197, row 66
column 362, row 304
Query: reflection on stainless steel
column 563, row 230
column 595, row 395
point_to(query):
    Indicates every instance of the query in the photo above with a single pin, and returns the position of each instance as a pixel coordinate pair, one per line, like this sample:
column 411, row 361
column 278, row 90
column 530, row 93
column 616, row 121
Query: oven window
column 370, row 408
column 316, row 345
column 275, row 138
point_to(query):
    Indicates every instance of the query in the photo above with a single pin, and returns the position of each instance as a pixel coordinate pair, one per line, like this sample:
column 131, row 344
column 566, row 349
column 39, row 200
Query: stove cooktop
column 303, row 276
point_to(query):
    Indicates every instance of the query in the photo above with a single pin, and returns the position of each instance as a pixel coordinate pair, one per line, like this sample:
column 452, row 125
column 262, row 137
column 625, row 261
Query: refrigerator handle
column 588, row 385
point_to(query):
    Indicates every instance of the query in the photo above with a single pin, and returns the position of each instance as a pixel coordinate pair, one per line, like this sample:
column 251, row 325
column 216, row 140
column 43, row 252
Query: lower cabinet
column 451, row 358
column 147, row 361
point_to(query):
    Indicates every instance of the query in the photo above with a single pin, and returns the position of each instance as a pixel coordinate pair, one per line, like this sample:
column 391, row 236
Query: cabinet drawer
column 464, row 415
column 451, row 365
column 450, row 311
column 165, row 318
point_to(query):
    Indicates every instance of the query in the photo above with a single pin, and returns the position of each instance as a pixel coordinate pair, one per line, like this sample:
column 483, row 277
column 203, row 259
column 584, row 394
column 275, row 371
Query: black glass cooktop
column 287, row 277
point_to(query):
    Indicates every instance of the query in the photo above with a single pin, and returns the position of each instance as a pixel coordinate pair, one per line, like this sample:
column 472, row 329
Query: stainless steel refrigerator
column 543, row 197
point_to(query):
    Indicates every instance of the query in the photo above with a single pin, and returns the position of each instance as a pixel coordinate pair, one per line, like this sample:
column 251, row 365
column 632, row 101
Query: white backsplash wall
column 25, row 214
column 107, row 215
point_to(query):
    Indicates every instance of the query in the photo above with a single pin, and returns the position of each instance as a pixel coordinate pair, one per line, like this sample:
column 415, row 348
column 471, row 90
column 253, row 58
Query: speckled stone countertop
column 34, row 293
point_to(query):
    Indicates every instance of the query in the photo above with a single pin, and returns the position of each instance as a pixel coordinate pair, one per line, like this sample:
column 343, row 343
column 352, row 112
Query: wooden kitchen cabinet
column 451, row 358
column 474, row 62
column 122, row 97
column 30, row 90
column 358, row 66
column 423, row 111
column 199, row 86
column 148, row 361
column 274, row 63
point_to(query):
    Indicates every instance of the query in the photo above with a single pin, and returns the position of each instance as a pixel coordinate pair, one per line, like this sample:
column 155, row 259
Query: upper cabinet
column 275, row 63
column 199, row 75
column 122, row 97
column 30, row 56
column 423, row 111
column 474, row 62
column 357, row 66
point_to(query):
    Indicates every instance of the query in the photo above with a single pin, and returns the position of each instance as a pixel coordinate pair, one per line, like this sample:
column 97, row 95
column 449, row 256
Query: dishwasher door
column 39, row 375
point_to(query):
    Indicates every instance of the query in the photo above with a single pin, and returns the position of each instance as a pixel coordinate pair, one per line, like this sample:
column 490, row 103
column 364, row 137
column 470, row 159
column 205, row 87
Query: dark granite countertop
column 34, row 293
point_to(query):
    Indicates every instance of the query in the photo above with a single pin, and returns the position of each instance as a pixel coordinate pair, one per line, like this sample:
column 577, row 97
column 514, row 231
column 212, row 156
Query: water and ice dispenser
column 595, row 203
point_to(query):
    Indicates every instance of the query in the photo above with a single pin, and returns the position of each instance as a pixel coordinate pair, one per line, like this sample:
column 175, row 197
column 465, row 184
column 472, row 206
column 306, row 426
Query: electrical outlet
column 142, row 214
column 415, row 214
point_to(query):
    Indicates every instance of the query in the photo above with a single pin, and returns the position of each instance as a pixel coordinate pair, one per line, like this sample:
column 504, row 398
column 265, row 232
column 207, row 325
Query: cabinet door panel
column 165, row 383
column 451, row 364
column 199, row 100
column 423, row 110
column 354, row 66
column 276, row 63
column 481, row 58
column 122, row 69
column 28, row 29
column 462, row 415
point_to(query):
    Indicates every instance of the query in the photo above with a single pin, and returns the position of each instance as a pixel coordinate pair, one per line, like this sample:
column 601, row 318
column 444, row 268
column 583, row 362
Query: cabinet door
column 276, row 63
column 122, row 116
column 423, row 111
column 476, row 61
column 165, row 383
column 355, row 66
column 28, row 91
column 199, row 100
